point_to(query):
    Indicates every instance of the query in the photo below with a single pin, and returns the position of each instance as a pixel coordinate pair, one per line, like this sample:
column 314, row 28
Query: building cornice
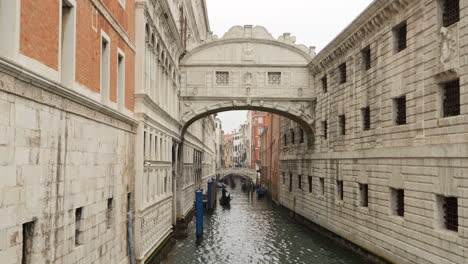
column 370, row 20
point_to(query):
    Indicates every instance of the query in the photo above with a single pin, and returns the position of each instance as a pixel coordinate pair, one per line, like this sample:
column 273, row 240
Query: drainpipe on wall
column 130, row 237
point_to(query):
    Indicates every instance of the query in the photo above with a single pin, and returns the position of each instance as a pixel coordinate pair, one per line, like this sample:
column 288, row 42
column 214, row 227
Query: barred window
column 324, row 84
column 400, row 108
column 342, row 122
column 325, row 129
column 285, row 139
column 365, row 112
column 290, row 182
column 310, row 184
column 342, row 70
column 397, row 201
column 449, row 211
column 366, row 58
column 292, row 137
column 451, row 98
column 274, row 78
column 450, row 12
column 222, row 78
column 339, row 187
column 400, row 33
column 364, row 194
column 322, row 186
column 299, row 179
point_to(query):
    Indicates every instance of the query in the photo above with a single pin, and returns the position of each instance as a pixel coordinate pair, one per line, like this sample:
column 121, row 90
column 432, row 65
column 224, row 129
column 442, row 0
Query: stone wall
column 426, row 157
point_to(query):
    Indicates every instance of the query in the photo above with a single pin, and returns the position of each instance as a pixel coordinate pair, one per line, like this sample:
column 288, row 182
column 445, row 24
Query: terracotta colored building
column 270, row 154
column 259, row 122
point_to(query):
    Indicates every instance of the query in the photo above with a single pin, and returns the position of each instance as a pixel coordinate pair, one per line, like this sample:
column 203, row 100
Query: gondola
column 225, row 200
column 261, row 192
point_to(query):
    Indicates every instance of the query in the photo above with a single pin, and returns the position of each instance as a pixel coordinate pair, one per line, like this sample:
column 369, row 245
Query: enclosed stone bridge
column 248, row 69
column 243, row 172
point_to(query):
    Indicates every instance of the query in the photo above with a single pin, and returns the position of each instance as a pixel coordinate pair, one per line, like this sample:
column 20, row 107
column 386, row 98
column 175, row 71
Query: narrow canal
column 256, row 231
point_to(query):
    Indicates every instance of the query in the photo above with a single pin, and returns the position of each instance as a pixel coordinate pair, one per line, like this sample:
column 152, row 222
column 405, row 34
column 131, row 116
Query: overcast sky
column 312, row 22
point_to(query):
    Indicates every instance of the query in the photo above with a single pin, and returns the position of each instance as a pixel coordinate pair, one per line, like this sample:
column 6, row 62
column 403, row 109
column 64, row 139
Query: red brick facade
column 269, row 156
column 260, row 121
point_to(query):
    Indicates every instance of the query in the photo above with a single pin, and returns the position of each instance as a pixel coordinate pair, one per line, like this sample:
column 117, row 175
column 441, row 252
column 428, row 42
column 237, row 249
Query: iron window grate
column 340, row 190
column 274, row 78
column 222, row 78
column 310, row 183
column 364, row 189
column 400, row 202
column 366, row 56
column 325, row 129
column 451, row 213
column 342, row 120
column 451, row 12
column 322, row 185
column 342, row 69
column 451, row 102
column 400, row 110
column 292, row 137
column 401, row 35
column 301, row 135
column 290, row 182
column 324, row 84
column 366, row 118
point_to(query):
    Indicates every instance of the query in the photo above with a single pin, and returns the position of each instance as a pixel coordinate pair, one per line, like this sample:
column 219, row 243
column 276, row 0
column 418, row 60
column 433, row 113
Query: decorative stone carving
column 448, row 45
column 195, row 91
column 247, row 52
column 247, row 91
column 248, row 79
column 300, row 92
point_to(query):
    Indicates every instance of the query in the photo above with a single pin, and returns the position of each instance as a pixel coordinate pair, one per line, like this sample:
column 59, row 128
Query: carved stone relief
column 448, row 45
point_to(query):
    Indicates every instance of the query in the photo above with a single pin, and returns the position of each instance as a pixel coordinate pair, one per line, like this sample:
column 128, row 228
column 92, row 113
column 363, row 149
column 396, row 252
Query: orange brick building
column 270, row 154
column 259, row 122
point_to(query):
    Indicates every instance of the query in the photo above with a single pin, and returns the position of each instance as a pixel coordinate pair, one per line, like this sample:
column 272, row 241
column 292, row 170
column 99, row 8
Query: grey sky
column 314, row 23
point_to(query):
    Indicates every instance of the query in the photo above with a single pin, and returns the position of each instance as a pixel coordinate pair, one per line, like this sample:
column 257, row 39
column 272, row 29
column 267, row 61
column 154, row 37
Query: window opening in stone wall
column 397, row 197
column 129, row 202
column 451, row 99
column 28, row 236
column 342, row 70
column 366, row 58
column 290, row 182
column 339, row 187
column 105, row 55
column 449, row 211
column 299, row 182
column 400, row 108
column 284, row 178
column 400, row 35
column 366, row 122
column 260, row 120
column 150, row 146
column 301, row 135
column 322, row 186
column 285, row 139
column 292, row 137
column 222, row 78
column 310, row 183
column 325, row 129
column 67, row 43
column 324, row 84
column 109, row 213
column 342, row 122
column 78, row 223
column 364, row 194
column 274, row 78
column 120, row 81
column 450, row 12
column 144, row 145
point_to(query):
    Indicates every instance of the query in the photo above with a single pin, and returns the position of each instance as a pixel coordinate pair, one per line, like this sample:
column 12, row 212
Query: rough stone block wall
column 57, row 156
column 427, row 157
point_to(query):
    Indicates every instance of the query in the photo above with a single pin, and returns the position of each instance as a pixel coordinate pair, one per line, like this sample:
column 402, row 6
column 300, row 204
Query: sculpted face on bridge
column 248, row 69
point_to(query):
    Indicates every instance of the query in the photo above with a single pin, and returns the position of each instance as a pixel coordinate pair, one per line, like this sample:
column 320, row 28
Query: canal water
column 256, row 231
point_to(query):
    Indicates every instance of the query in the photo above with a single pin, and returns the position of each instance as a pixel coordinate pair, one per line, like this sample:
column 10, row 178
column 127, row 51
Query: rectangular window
column 339, row 189
column 284, row 178
column 366, row 58
column 292, row 137
column 322, row 186
column 365, row 114
column 324, row 84
column 301, row 135
column 274, row 78
column 450, row 12
column 285, row 139
column 447, row 212
column 310, row 183
column 120, row 81
column 299, row 182
column 290, row 182
column 78, row 222
column 105, row 69
column 222, row 78
column 342, row 70
column 260, row 130
column 260, row 120
column 109, row 213
column 397, row 201
column 28, row 236
column 451, row 98
column 400, row 110
column 67, row 64
column 364, row 195
column 399, row 33
column 342, row 123
column 129, row 202
column 325, row 129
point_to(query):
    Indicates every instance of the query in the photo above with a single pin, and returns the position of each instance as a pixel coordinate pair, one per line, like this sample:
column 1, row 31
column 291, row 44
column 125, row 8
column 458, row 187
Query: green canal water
column 256, row 231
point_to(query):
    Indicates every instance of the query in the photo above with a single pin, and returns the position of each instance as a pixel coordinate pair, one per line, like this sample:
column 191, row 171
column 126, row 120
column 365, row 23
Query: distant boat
column 225, row 200
column 261, row 192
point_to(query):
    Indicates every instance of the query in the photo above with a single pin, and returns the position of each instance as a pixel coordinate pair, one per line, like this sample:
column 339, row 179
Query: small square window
column 222, row 78
column 450, row 12
column 447, row 212
column 325, row 129
column 366, row 122
column 400, row 110
column 364, row 195
column 397, row 201
column 451, row 98
column 310, row 183
column 342, row 122
column 366, row 58
column 322, row 186
column 342, row 70
column 299, row 182
column 274, row 78
column 339, row 189
column 324, row 84
column 400, row 35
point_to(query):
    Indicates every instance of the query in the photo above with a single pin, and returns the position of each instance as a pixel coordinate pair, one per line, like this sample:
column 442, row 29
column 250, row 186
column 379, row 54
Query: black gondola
column 225, row 200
